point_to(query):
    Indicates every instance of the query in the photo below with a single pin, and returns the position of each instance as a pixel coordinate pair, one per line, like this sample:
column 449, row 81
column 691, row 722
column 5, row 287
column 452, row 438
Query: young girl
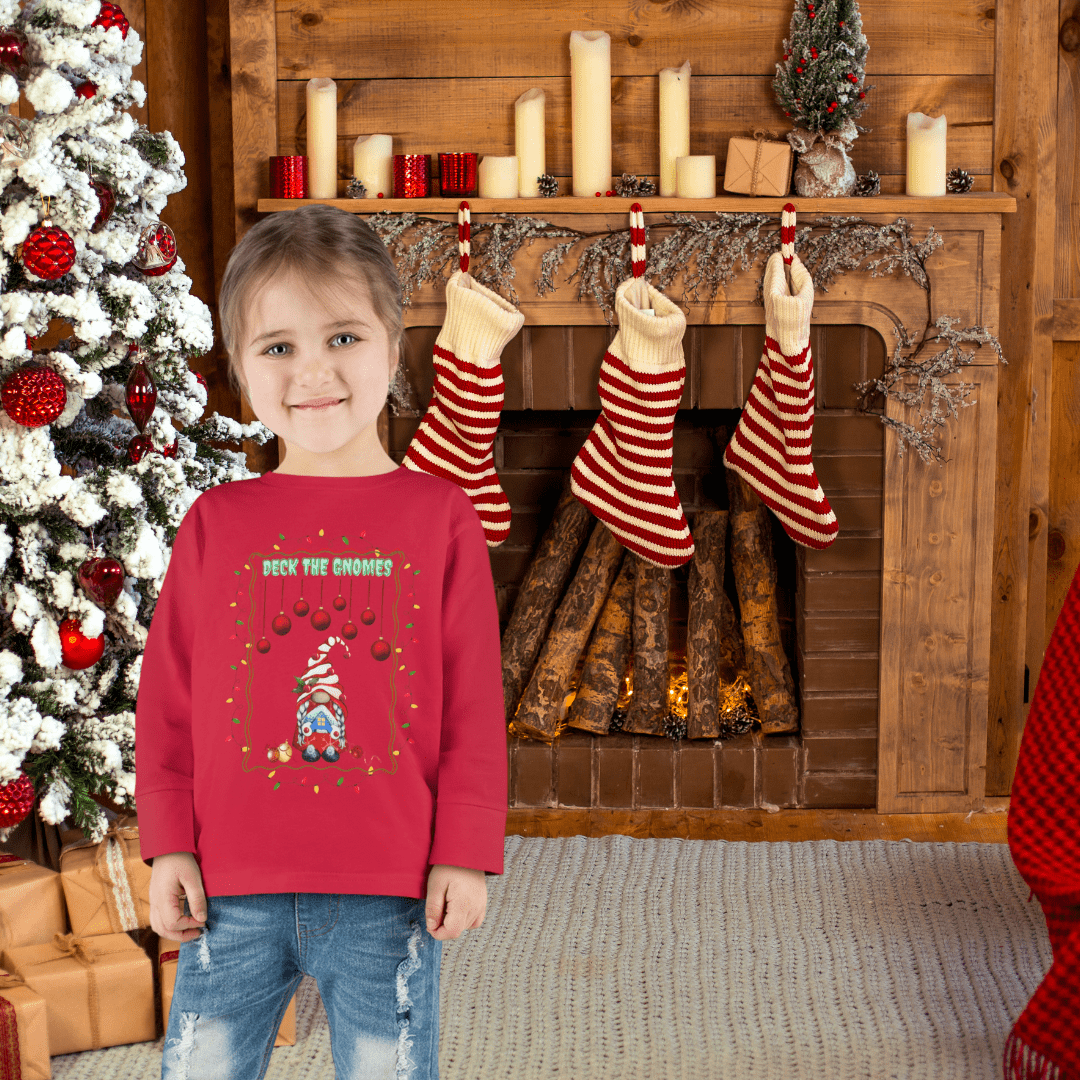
column 320, row 722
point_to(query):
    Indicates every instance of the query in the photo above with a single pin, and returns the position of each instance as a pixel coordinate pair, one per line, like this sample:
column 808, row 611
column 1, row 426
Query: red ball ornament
column 86, row 90
column 139, row 446
column 157, row 250
column 281, row 625
column 77, row 650
column 106, row 204
column 367, row 617
column 48, row 252
column 13, row 52
column 33, row 395
column 321, row 619
column 201, row 379
column 262, row 645
column 102, row 579
column 140, row 391
column 349, row 630
column 301, row 607
column 16, row 800
column 381, row 649
column 340, row 603
column 111, row 15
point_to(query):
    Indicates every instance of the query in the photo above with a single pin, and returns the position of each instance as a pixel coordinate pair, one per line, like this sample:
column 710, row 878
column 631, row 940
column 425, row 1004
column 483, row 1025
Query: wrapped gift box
column 31, row 902
column 107, row 885
column 24, row 1031
column 169, row 956
column 758, row 167
column 98, row 991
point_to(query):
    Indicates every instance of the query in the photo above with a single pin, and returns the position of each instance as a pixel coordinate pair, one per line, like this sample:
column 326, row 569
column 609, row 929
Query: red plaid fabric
column 1045, row 845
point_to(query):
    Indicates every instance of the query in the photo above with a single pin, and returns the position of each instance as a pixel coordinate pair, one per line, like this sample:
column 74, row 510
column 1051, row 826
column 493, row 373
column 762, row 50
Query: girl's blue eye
column 280, row 345
column 337, row 340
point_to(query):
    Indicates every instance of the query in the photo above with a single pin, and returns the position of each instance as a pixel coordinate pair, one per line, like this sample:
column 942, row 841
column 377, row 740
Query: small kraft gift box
column 98, row 991
column 169, row 957
column 107, row 885
column 756, row 166
column 31, row 902
column 24, row 1031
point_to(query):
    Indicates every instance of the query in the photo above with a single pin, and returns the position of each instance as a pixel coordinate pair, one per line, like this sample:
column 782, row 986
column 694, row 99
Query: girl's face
column 317, row 367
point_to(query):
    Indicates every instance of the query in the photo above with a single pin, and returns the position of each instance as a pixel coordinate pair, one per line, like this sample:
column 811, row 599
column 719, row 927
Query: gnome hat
column 320, row 682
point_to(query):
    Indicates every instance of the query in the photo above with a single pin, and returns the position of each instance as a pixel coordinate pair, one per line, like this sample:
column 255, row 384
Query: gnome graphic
column 320, row 707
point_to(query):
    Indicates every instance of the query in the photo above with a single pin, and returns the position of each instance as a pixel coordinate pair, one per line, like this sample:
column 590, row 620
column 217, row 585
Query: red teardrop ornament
column 103, row 580
column 106, row 204
column 77, row 650
column 13, row 52
column 140, row 394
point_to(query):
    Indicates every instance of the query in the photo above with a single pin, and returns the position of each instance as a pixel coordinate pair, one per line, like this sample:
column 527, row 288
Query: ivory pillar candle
column 373, row 164
column 590, row 92
column 674, row 123
column 498, row 178
column 695, row 176
column 529, row 141
column 925, row 154
column 322, row 138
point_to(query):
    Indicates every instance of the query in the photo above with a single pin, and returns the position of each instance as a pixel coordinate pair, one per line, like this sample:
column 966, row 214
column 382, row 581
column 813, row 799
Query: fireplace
column 828, row 602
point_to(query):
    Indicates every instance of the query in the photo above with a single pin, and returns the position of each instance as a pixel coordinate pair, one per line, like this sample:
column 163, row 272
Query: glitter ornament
column 48, row 252
column 13, row 52
column 139, row 446
column 77, row 650
column 16, row 800
column 33, row 395
column 140, row 392
column 281, row 624
column 106, row 204
column 16, row 137
column 102, row 578
column 157, row 250
column 112, row 15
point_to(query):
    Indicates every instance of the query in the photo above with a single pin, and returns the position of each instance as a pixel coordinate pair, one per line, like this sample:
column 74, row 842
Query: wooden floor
column 983, row 827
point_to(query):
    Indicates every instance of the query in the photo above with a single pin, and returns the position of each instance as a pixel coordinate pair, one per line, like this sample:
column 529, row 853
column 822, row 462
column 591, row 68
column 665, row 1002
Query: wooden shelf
column 973, row 202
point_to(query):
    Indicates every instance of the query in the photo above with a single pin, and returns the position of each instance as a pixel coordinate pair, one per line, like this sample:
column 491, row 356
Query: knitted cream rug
column 622, row 959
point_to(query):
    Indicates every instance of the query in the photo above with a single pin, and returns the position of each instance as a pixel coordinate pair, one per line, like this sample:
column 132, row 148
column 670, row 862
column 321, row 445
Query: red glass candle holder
column 288, row 177
column 412, row 176
column 457, row 174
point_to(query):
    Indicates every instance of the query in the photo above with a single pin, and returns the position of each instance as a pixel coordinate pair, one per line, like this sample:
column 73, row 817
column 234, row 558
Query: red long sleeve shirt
column 320, row 705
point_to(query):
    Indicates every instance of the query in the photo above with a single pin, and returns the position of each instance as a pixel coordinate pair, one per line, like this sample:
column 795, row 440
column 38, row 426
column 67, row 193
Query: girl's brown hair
column 317, row 241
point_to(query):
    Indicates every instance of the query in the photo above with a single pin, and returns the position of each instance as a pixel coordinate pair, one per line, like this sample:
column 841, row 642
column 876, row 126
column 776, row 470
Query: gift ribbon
column 110, row 868
column 10, row 1057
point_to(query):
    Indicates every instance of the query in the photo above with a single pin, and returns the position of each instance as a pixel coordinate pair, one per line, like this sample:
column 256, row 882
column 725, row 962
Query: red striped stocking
column 771, row 446
column 456, row 437
column 623, row 472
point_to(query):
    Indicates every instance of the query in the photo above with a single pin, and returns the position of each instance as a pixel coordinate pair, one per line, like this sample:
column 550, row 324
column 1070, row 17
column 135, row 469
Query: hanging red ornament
column 106, row 204
column 79, row 651
column 282, row 624
column 86, row 90
column 102, row 578
column 321, row 619
column 13, row 52
column 381, row 649
column 48, row 252
column 301, row 607
column 340, row 603
column 170, row 448
column 202, row 380
column 33, row 395
column 139, row 447
column 140, row 391
column 349, row 630
column 16, row 800
column 157, row 250
column 367, row 616
column 112, row 15
column 262, row 645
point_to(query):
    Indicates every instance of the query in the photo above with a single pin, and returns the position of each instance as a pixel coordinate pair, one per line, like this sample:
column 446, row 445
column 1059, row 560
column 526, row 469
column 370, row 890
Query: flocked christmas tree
column 821, row 86
column 95, row 476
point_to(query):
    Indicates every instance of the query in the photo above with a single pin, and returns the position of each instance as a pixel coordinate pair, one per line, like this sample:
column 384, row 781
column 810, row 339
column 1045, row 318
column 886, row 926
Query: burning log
column 540, row 711
column 606, row 662
column 652, row 600
column 755, row 577
column 704, row 628
column 524, row 635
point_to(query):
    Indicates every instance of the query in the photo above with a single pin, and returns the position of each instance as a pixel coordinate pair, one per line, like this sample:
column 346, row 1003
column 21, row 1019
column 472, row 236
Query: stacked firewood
column 617, row 608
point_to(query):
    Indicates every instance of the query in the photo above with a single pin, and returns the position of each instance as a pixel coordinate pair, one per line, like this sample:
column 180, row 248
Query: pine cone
column 628, row 186
column 958, row 181
column 868, row 184
column 549, row 185
column 355, row 188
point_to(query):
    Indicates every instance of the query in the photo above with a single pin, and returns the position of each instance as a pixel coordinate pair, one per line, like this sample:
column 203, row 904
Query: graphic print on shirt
column 321, row 693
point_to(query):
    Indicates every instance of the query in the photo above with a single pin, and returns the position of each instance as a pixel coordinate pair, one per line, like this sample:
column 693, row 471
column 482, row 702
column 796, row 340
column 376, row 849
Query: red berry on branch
column 863, row 94
column 598, row 194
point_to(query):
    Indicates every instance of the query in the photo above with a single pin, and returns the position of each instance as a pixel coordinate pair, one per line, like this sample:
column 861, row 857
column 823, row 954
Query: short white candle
column 373, row 164
column 529, row 141
column 322, row 138
column 695, row 176
column 590, row 91
column 498, row 177
column 674, row 123
column 925, row 154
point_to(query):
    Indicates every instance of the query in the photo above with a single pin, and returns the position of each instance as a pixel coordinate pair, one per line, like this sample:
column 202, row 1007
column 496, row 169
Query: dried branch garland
column 708, row 253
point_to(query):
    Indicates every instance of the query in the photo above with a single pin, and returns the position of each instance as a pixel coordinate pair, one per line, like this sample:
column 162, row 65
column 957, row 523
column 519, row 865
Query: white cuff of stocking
column 649, row 342
column 479, row 322
column 788, row 316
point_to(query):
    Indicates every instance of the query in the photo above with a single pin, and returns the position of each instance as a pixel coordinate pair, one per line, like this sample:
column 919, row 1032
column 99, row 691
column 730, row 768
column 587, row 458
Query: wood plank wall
column 444, row 76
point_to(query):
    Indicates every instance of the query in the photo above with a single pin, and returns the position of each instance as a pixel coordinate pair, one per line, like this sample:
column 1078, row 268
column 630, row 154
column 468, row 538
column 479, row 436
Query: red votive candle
column 288, row 177
column 412, row 176
column 457, row 174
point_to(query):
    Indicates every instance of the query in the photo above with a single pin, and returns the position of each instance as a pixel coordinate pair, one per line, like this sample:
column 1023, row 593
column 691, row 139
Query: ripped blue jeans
column 376, row 966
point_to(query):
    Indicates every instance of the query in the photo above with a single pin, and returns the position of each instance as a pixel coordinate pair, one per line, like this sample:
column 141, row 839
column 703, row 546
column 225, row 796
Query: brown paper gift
column 98, row 991
column 31, row 902
column 24, row 1031
column 758, row 167
column 107, row 885
column 169, row 956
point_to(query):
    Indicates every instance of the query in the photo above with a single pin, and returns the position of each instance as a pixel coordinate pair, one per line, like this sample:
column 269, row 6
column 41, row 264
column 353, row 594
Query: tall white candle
column 322, row 138
column 590, row 91
column 674, row 123
column 925, row 154
column 529, row 141
column 373, row 164
column 695, row 176
column 498, row 178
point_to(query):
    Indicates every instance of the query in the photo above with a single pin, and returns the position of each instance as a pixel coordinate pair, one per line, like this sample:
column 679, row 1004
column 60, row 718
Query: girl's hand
column 456, row 900
column 171, row 877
